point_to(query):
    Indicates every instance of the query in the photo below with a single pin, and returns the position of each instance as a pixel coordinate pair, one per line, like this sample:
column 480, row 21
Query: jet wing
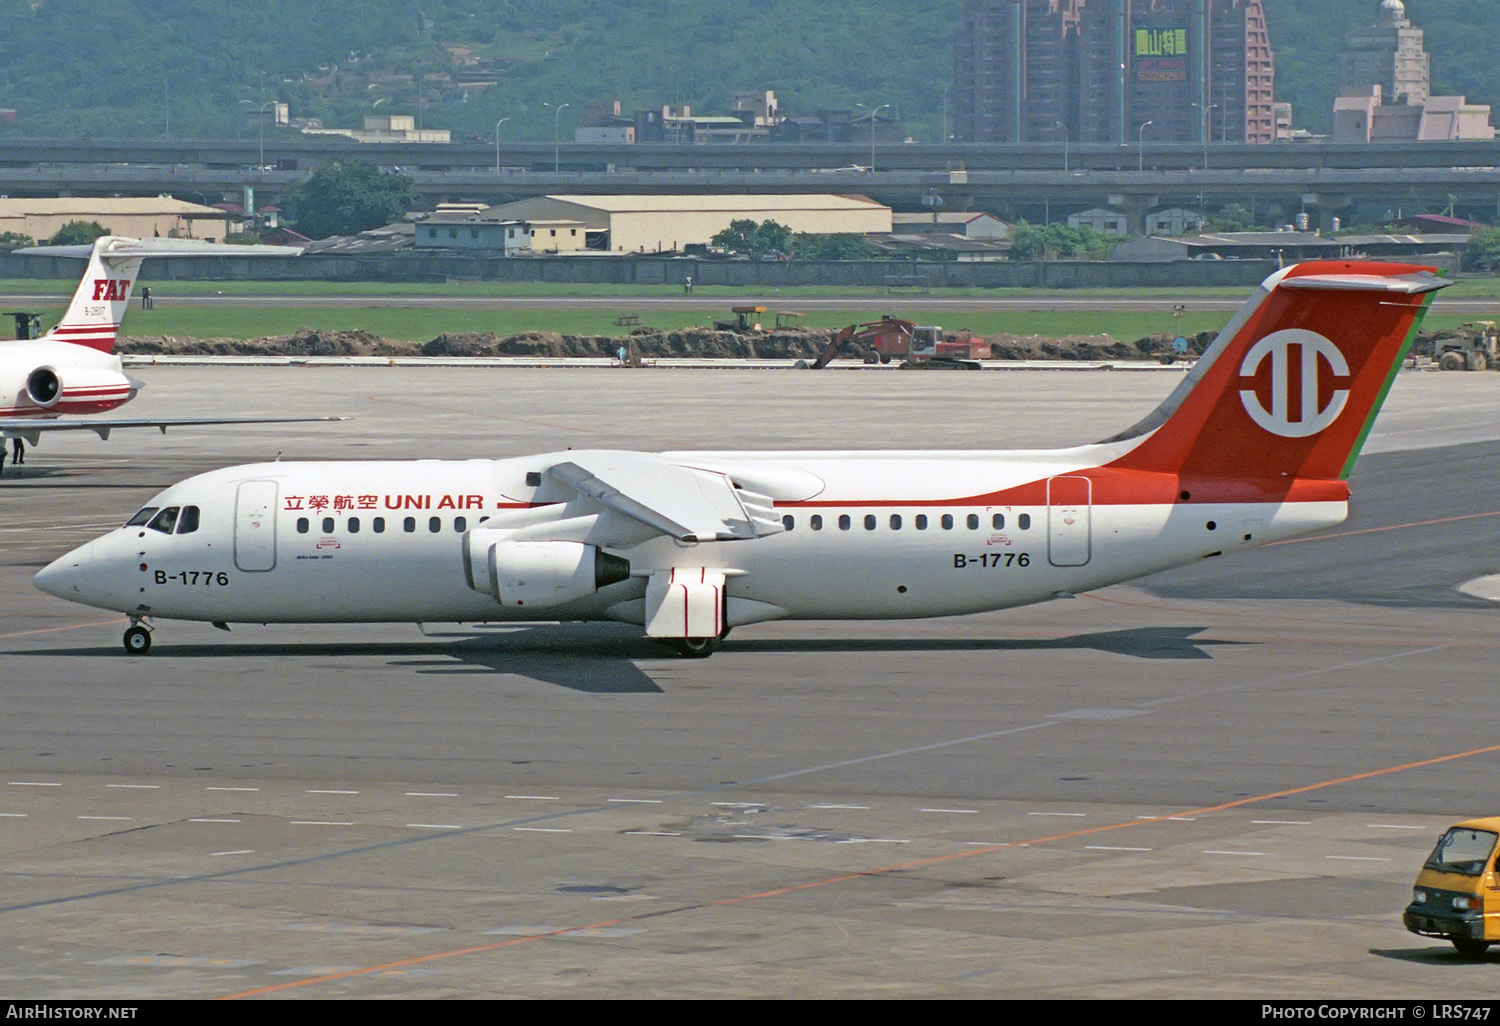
column 684, row 503
column 31, row 428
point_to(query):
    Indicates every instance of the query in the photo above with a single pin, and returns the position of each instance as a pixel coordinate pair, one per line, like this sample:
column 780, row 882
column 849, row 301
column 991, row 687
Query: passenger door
column 255, row 525
column 1068, row 516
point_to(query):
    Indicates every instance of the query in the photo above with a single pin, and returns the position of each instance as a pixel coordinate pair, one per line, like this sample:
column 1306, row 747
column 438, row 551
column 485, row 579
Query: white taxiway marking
column 636, row 801
column 963, row 812
column 1110, row 847
column 231, row 789
column 241, row 851
column 1057, row 814
column 431, row 794
column 861, row 808
column 205, row 820
column 112, row 818
column 1357, row 858
column 1216, row 852
column 741, row 805
column 535, row 797
column 330, row 792
column 319, row 822
column 1394, row 826
column 656, row 833
column 14, row 815
column 543, row 830
column 33, row 783
column 435, row 826
column 873, row 840
column 137, row 787
column 1282, row 822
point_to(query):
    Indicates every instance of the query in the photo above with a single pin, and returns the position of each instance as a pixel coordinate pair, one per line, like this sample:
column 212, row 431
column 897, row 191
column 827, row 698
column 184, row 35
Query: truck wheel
column 1470, row 948
column 885, row 358
column 1452, row 361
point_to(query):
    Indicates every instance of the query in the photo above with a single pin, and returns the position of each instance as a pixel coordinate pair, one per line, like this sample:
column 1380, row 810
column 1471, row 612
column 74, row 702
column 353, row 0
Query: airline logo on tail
column 1297, row 359
column 111, row 290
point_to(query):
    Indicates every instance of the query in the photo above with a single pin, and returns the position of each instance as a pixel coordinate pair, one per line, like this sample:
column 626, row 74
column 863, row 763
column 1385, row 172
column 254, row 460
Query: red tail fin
column 1291, row 386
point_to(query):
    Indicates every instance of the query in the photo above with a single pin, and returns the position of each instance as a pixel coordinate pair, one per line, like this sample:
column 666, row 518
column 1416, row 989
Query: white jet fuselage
column 867, row 536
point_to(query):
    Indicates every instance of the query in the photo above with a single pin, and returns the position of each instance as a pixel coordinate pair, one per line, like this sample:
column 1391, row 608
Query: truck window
column 1464, row 851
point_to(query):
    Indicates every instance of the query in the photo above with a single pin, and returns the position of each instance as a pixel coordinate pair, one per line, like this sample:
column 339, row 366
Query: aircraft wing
column 684, row 503
column 31, row 428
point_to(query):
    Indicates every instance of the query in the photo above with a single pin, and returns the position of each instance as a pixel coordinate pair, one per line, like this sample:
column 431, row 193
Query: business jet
column 1254, row 446
column 73, row 368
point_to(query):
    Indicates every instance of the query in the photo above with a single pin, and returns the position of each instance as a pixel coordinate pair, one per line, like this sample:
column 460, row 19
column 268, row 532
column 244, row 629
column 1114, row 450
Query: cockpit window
column 187, row 523
column 164, row 521
column 143, row 516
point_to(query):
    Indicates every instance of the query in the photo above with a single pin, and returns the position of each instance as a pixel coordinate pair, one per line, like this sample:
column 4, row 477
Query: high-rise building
column 1101, row 70
column 1388, row 53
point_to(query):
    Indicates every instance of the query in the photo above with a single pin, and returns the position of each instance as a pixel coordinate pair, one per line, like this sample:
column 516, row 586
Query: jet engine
column 540, row 574
column 44, row 387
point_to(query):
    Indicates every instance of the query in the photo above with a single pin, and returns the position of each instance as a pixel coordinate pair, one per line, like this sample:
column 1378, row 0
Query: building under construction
column 1102, row 71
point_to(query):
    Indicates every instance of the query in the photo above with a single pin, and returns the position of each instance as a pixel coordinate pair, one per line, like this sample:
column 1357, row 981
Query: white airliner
column 1253, row 446
column 73, row 368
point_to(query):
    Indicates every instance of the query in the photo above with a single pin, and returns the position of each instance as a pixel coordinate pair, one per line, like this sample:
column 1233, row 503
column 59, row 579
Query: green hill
column 195, row 67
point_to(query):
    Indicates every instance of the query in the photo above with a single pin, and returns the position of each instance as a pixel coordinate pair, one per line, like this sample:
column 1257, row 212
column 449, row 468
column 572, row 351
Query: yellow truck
column 1457, row 893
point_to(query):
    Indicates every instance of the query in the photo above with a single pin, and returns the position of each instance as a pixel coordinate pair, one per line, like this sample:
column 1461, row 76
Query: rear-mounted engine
column 43, row 387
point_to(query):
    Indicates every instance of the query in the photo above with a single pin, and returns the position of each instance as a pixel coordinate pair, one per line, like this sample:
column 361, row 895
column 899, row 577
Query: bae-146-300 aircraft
column 73, row 368
column 1253, row 446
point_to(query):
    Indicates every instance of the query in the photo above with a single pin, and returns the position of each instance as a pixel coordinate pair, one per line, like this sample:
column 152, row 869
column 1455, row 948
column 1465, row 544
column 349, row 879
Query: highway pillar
column 1135, row 207
column 1325, row 206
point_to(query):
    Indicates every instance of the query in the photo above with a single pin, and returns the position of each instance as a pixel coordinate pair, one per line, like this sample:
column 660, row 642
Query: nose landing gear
column 137, row 637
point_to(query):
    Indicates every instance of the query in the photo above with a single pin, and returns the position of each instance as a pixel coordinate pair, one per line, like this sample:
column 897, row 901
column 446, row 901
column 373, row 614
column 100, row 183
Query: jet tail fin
column 1292, row 384
column 93, row 317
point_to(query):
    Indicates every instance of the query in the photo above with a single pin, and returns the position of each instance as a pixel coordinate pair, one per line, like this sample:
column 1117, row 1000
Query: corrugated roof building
column 136, row 217
column 657, row 224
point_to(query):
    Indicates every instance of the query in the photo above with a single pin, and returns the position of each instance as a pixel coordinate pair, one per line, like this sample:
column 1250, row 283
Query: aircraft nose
column 64, row 576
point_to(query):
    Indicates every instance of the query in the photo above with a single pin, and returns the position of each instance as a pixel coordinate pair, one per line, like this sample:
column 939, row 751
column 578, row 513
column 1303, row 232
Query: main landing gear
column 137, row 637
column 695, row 648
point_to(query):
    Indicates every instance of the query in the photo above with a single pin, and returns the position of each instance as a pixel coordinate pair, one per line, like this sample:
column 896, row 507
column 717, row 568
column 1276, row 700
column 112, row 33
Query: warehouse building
column 665, row 224
column 136, row 217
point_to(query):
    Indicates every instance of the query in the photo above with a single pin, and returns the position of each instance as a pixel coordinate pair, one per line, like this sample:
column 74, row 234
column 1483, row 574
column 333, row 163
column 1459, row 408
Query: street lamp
column 873, row 115
column 1064, row 128
column 261, row 117
column 497, row 143
column 556, row 120
column 1141, row 147
column 1203, row 124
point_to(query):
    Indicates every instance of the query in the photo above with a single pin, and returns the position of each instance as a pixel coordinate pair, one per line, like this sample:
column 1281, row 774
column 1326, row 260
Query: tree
column 1484, row 249
column 78, row 233
column 1059, row 242
column 346, row 197
column 840, row 246
column 753, row 240
column 15, row 240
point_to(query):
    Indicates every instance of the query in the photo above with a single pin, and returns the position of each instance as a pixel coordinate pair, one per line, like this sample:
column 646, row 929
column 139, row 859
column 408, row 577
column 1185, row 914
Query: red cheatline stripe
column 868, row 873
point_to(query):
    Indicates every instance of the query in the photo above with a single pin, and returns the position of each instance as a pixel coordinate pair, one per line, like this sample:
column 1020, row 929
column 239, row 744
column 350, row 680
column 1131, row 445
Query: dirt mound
column 302, row 342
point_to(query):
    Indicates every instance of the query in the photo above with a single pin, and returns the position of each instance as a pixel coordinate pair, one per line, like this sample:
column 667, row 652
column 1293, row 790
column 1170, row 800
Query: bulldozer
column 892, row 338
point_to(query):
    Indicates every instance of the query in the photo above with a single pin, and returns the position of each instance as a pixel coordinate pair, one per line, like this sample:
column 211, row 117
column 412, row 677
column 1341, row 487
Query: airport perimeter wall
column 769, row 274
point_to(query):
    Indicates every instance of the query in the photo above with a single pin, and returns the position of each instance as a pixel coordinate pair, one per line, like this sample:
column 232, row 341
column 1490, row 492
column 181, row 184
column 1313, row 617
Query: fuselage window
column 354, row 525
column 788, row 522
column 973, row 521
column 143, row 516
column 844, row 521
column 409, row 524
column 302, row 525
column 920, row 522
column 378, row 525
column 460, row 524
column 435, row 524
column 1024, row 521
column 947, row 521
column 895, row 521
column 328, row 525
column 188, row 522
column 815, row 521
column 869, row 521
column 998, row 521
column 164, row 521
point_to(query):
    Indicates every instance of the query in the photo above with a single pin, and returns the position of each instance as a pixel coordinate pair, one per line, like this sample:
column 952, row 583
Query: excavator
column 893, row 338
